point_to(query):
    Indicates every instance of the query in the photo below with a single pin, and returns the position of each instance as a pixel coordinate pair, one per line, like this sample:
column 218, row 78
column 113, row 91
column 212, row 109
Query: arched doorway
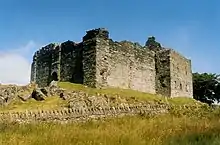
column 54, row 76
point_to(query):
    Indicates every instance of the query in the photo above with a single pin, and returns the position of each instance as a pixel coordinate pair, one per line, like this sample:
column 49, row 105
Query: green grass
column 49, row 103
column 158, row 130
column 181, row 126
column 210, row 137
column 130, row 96
column 183, row 101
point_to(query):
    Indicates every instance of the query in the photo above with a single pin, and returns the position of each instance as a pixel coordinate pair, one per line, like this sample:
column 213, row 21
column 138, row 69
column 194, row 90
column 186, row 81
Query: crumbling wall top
column 179, row 55
column 128, row 47
column 100, row 32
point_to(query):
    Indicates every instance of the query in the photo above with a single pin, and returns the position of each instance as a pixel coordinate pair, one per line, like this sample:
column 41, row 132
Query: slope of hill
column 76, row 95
column 180, row 125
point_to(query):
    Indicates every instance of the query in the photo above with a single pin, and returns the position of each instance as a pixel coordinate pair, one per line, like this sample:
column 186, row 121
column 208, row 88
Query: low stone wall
column 85, row 114
column 82, row 114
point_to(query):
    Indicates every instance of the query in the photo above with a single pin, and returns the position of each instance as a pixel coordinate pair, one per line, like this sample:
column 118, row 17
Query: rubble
column 74, row 98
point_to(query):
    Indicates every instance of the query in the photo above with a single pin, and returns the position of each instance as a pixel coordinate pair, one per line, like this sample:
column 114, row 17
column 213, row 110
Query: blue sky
column 190, row 27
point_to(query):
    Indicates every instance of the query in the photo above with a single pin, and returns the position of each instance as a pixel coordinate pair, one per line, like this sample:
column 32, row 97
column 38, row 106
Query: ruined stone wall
column 162, row 68
column 33, row 69
column 83, row 114
column 43, row 65
column 131, row 67
column 58, row 62
column 89, row 62
column 73, row 114
column 71, row 62
column 112, row 64
column 181, row 76
column 100, row 62
column 54, row 73
column 95, row 52
column 103, row 64
column 46, row 62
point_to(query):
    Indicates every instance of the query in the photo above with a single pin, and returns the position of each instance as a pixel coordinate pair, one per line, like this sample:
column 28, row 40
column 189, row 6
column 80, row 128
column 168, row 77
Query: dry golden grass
column 182, row 127
column 49, row 103
column 164, row 129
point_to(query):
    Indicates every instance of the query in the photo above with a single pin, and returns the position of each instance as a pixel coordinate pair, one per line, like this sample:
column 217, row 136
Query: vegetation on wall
column 151, row 43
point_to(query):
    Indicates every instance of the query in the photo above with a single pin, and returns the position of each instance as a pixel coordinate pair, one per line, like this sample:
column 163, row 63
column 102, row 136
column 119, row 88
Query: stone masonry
column 100, row 62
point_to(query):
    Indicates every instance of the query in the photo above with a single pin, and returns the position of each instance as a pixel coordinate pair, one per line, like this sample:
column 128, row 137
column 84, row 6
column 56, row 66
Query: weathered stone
column 100, row 62
column 7, row 93
column 96, row 101
column 2, row 101
column 53, row 84
column 25, row 98
column 77, row 103
column 62, row 96
column 38, row 95
column 44, row 91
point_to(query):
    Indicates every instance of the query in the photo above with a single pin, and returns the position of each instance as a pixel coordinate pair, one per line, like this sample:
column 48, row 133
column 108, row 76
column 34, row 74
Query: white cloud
column 25, row 50
column 15, row 64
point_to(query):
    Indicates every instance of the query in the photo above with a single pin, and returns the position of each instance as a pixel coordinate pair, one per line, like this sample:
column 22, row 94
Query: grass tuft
column 49, row 103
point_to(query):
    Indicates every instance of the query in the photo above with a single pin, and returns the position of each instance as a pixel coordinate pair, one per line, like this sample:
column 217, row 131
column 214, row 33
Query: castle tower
column 173, row 71
column 46, row 65
column 95, row 57
column 173, row 74
column 58, row 62
column 180, row 76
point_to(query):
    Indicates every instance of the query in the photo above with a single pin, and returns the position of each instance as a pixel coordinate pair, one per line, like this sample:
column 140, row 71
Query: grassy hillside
column 130, row 96
column 49, row 103
column 158, row 130
column 182, row 127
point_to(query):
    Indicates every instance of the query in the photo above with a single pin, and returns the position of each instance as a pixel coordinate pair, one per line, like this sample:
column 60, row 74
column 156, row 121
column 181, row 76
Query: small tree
column 206, row 87
column 151, row 43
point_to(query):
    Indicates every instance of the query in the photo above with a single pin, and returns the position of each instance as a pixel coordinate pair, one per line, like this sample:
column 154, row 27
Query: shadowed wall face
column 95, row 47
column 58, row 62
column 54, row 76
column 33, row 68
column 162, row 68
column 71, row 62
column 44, row 63
column 54, row 65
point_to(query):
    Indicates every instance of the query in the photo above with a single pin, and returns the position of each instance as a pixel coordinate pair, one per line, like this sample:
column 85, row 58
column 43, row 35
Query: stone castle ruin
column 100, row 62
